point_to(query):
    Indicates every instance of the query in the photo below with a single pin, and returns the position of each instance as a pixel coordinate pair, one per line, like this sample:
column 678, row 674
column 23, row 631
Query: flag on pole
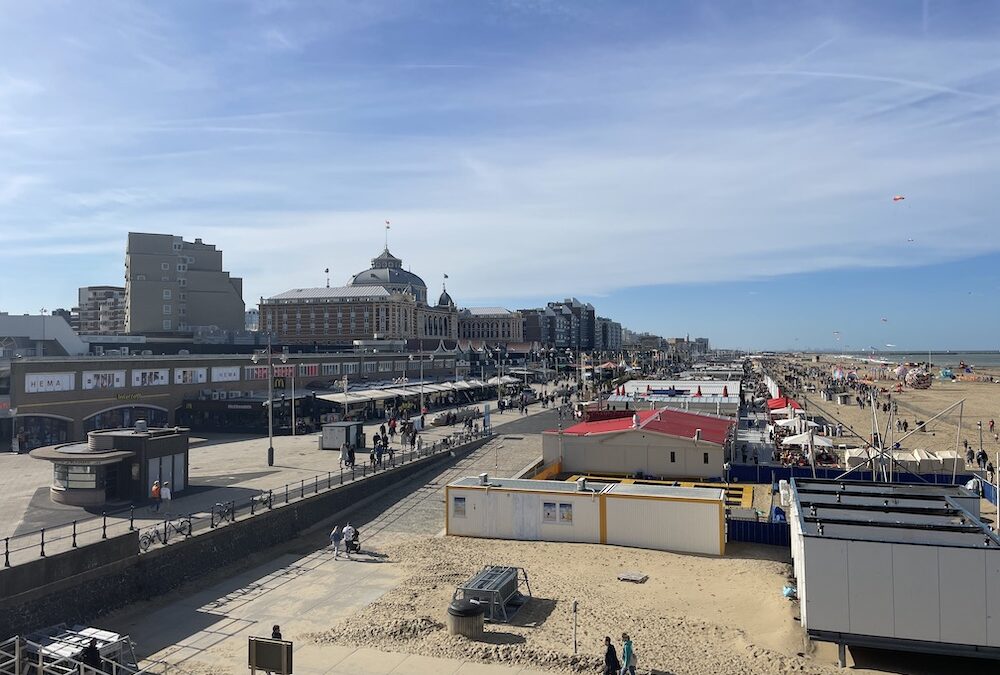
column 387, row 224
column 327, row 270
column 446, row 276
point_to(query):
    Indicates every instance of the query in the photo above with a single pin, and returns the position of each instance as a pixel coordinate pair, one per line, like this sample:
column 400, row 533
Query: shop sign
column 128, row 397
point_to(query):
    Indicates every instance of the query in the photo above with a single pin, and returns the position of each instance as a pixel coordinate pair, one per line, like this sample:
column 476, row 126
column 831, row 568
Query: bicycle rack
column 163, row 532
column 223, row 512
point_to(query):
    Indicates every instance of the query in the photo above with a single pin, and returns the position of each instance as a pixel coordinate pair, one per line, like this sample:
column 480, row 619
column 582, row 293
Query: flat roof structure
column 896, row 566
column 530, row 485
column 683, row 424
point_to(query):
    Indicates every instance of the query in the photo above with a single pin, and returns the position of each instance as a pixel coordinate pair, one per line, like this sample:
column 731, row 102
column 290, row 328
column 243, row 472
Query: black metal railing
column 21, row 548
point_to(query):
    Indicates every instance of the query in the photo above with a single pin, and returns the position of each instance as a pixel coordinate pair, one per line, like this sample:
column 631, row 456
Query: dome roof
column 387, row 277
column 445, row 300
column 387, row 271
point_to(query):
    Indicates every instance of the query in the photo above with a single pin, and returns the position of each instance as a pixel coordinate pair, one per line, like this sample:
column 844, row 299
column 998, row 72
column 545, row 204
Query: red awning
column 783, row 402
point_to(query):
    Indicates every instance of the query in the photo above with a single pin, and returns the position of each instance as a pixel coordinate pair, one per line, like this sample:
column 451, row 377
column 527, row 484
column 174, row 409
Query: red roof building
column 664, row 443
column 670, row 422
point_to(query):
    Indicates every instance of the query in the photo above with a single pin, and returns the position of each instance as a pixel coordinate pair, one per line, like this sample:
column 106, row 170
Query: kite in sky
column 898, row 198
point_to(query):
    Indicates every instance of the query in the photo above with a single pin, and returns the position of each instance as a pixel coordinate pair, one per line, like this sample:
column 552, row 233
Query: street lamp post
column 43, row 311
column 421, row 378
column 270, row 397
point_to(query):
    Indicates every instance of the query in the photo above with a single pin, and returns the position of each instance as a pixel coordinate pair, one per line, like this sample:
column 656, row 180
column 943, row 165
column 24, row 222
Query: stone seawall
column 80, row 585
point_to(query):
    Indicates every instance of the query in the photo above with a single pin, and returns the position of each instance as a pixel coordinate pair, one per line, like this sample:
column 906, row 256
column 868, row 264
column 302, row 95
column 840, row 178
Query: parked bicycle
column 162, row 532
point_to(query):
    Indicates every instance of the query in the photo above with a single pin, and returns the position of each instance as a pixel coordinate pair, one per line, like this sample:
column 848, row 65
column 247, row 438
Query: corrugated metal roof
column 487, row 311
column 333, row 293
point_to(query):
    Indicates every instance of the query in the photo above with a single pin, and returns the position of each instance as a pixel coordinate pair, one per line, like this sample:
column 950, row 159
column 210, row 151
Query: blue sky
column 724, row 169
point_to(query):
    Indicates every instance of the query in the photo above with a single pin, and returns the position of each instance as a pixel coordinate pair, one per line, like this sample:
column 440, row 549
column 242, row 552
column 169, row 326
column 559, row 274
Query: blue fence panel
column 761, row 473
column 756, row 532
column 990, row 492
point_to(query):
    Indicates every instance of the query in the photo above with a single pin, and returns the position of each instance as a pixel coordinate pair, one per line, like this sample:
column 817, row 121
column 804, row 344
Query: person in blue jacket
column 628, row 656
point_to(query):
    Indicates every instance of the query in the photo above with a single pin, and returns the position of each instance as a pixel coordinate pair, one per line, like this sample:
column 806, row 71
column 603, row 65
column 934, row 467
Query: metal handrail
column 82, row 532
column 12, row 662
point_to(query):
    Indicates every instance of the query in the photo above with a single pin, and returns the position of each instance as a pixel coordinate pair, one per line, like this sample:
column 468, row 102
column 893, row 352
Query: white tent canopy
column 952, row 461
column 927, row 461
column 906, row 461
column 857, row 456
column 777, row 412
column 803, row 439
column 787, row 423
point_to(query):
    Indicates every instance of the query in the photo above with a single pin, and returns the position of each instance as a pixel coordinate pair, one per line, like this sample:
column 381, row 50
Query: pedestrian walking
column 154, row 494
column 348, row 536
column 611, row 664
column 345, row 455
column 991, row 426
column 629, row 659
column 336, row 537
column 165, row 495
column 275, row 632
column 990, row 473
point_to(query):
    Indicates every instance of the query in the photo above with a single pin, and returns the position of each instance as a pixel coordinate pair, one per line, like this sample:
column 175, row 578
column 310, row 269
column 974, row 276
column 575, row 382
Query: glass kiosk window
column 71, row 477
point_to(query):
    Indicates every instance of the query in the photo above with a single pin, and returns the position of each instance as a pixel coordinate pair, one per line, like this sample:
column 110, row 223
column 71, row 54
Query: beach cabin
column 895, row 566
column 660, row 517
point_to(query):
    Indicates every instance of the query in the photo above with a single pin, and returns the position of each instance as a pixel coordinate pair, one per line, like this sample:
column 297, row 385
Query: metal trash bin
column 465, row 617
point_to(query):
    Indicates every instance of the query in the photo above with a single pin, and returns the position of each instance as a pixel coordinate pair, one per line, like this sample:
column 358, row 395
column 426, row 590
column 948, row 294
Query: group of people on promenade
column 160, row 495
column 349, row 536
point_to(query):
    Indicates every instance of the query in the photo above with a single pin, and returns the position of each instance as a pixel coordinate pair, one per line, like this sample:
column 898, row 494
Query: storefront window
column 124, row 418
column 36, row 432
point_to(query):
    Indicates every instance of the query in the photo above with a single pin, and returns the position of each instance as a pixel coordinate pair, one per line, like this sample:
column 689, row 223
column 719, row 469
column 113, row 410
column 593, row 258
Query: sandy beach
column 693, row 615
column 982, row 403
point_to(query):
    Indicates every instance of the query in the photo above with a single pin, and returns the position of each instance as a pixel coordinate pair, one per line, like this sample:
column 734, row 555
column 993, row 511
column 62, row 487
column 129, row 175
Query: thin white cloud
column 566, row 164
column 13, row 188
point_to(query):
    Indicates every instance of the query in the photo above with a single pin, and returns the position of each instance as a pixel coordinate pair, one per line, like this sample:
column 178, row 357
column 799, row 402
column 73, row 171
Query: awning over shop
column 782, row 402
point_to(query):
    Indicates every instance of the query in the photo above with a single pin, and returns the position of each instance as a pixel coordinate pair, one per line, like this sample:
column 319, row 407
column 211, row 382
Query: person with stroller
column 352, row 543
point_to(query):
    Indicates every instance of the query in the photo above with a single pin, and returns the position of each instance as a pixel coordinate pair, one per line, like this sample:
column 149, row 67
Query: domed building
column 384, row 300
column 387, row 271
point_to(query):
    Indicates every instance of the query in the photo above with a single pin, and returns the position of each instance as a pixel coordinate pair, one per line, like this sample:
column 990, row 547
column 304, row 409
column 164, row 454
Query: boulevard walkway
column 224, row 468
column 305, row 591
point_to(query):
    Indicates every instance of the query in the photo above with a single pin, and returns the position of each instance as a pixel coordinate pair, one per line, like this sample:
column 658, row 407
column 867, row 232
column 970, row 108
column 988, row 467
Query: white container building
column 895, row 566
column 666, row 518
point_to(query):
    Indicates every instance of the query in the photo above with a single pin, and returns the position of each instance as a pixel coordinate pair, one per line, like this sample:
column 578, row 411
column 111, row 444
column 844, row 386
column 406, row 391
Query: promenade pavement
column 305, row 590
column 223, row 467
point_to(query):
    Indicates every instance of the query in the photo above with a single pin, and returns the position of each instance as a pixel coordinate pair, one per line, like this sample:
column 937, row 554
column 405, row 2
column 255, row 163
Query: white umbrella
column 803, row 439
column 810, row 423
